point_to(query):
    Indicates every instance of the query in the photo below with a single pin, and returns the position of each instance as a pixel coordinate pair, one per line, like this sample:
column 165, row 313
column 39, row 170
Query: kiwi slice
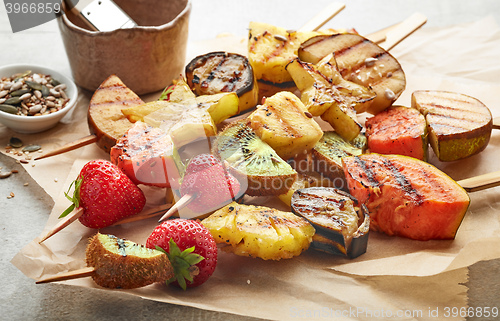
column 123, row 264
column 328, row 153
column 250, row 158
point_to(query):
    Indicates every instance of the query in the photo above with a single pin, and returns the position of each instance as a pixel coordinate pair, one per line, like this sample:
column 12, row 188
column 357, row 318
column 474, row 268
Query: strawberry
column 200, row 162
column 106, row 195
column 213, row 187
column 190, row 247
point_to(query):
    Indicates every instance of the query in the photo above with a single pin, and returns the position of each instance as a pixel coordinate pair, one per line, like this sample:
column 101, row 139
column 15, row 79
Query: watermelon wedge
column 405, row 196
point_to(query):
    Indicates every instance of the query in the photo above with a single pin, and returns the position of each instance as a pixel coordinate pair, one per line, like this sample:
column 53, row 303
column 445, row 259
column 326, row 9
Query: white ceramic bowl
column 35, row 124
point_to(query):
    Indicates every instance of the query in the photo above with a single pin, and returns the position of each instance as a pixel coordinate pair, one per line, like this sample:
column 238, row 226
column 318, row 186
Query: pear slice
column 361, row 61
column 459, row 126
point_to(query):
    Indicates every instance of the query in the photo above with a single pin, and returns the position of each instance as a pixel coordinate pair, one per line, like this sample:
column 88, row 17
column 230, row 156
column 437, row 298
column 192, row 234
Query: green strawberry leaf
column 74, row 199
column 183, row 263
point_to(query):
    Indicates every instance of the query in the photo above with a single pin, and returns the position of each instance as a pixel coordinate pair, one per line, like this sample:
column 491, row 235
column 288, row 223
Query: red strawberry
column 106, row 195
column 190, row 247
column 213, row 188
column 200, row 162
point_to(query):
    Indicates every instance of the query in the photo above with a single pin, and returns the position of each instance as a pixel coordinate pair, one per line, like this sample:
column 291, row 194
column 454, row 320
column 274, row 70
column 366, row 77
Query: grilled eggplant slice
column 218, row 72
column 342, row 226
column 253, row 160
column 459, row 126
column 361, row 61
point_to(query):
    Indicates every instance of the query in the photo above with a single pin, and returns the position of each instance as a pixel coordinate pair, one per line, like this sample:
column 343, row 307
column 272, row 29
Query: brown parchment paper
column 461, row 58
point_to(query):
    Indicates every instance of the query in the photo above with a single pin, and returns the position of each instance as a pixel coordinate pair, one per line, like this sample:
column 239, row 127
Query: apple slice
column 459, row 126
column 361, row 61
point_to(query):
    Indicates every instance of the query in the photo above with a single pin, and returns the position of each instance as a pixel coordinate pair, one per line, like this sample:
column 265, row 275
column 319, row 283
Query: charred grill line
column 403, row 182
column 369, row 173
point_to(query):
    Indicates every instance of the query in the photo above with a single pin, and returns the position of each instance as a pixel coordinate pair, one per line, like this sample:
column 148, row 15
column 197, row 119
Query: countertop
column 23, row 217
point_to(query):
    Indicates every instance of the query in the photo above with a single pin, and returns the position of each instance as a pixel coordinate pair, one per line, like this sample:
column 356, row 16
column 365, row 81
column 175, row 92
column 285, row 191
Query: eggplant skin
column 342, row 227
column 220, row 72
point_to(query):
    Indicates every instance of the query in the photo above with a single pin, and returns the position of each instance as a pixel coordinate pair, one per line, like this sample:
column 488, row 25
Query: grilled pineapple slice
column 285, row 124
column 258, row 231
column 360, row 61
column 325, row 93
column 271, row 48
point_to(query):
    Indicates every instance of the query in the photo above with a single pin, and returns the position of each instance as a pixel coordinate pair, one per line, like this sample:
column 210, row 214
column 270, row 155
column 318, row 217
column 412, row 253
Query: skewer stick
column 478, row 183
column 403, row 30
column 183, row 201
column 67, row 220
column 155, row 211
column 323, row 17
column 87, row 140
column 80, row 273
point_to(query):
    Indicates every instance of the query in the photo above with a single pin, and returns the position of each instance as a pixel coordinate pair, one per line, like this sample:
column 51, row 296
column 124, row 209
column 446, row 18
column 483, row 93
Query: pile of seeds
column 31, row 94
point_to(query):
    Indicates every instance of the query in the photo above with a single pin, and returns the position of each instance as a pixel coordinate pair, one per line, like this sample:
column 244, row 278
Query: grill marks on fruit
column 454, row 119
column 267, row 37
column 386, row 166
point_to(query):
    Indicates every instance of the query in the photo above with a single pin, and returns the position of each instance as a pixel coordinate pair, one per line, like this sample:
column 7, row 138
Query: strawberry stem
column 183, row 263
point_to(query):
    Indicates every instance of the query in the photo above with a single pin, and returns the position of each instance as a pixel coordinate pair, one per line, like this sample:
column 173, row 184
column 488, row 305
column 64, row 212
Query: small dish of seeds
column 34, row 98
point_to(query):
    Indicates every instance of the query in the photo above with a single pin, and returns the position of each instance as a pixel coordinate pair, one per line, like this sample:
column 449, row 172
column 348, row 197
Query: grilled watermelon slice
column 406, row 196
column 398, row 130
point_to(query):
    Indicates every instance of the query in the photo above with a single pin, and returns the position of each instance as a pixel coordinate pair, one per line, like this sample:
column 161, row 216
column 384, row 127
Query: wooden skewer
column 403, row 30
column 67, row 220
column 323, row 17
column 183, row 201
column 80, row 273
column 145, row 215
column 481, row 182
column 87, row 140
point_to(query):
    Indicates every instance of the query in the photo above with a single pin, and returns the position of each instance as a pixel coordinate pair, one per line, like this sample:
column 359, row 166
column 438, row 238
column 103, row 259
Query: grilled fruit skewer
column 218, row 72
column 284, row 123
column 253, row 161
column 459, row 126
column 341, row 225
column 360, row 61
column 259, row 231
column 120, row 264
column 405, row 196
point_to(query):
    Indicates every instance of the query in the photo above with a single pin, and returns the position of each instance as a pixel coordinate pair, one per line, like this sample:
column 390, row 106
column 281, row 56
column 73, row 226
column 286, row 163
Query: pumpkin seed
column 19, row 92
column 34, row 85
column 15, row 142
column 54, row 82
column 31, row 148
column 45, row 91
column 8, row 109
column 12, row 101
